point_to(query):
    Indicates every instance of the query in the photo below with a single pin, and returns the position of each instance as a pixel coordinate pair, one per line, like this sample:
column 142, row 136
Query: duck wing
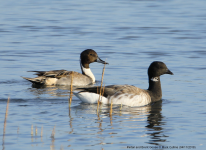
column 52, row 73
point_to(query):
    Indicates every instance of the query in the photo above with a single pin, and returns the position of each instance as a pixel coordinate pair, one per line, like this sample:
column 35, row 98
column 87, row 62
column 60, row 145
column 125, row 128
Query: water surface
column 46, row 35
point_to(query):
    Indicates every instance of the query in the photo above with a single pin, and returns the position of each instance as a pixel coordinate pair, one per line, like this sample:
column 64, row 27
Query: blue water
column 47, row 35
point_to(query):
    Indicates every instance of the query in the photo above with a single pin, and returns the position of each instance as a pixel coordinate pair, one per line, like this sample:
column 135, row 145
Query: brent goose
column 128, row 94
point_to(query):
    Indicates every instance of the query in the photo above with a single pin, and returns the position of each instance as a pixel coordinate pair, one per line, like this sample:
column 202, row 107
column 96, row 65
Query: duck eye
column 91, row 55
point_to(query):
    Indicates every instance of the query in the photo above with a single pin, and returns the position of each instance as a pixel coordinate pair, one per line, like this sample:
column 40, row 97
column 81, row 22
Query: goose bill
column 169, row 72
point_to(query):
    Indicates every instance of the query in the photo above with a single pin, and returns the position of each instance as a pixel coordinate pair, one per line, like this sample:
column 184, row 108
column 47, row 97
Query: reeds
column 32, row 130
column 53, row 139
column 110, row 112
column 41, row 131
column 101, row 92
column 53, row 132
column 6, row 114
column 71, row 93
column 5, row 119
column 36, row 130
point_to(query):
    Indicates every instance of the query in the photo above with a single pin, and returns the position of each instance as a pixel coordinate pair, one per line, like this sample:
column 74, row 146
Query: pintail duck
column 128, row 94
column 63, row 77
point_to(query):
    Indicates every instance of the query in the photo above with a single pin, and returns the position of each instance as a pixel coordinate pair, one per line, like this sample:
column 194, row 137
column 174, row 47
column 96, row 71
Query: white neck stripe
column 155, row 79
column 88, row 72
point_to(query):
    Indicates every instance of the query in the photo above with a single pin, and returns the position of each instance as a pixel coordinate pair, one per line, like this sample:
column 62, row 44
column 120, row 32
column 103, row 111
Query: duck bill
column 169, row 72
column 101, row 61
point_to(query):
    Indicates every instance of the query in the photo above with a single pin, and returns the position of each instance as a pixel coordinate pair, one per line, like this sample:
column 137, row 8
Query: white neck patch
column 155, row 79
column 89, row 73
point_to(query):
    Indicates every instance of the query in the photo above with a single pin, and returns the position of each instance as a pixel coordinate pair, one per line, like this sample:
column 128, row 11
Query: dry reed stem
column 6, row 114
column 121, row 107
column 101, row 84
column 103, row 90
column 36, row 130
column 53, row 132
column 32, row 129
column 70, row 99
column 98, row 101
column 41, row 131
column 70, row 122
column 110, row 113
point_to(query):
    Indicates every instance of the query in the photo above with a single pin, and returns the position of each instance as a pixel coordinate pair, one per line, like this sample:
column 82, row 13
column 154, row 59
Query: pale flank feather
column 50, row 81
column 121, row 94
column 131, row 99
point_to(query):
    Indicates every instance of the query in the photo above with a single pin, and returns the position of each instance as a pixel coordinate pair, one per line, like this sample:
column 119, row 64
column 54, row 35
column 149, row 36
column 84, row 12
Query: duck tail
column 37, row 80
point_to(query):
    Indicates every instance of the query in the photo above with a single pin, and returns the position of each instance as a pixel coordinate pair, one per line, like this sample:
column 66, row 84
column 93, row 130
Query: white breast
column 91, row 98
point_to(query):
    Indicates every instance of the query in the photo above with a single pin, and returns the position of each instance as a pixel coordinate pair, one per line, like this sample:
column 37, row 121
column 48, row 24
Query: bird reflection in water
column 149, row 116
column 54, row 91
column 155, row 125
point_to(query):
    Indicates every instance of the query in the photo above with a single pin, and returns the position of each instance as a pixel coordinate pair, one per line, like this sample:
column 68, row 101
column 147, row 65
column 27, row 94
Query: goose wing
column 114, row 90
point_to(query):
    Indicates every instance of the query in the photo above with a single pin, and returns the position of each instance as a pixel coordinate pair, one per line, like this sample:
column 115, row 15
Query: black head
column 158, row 68
column 89, row 56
